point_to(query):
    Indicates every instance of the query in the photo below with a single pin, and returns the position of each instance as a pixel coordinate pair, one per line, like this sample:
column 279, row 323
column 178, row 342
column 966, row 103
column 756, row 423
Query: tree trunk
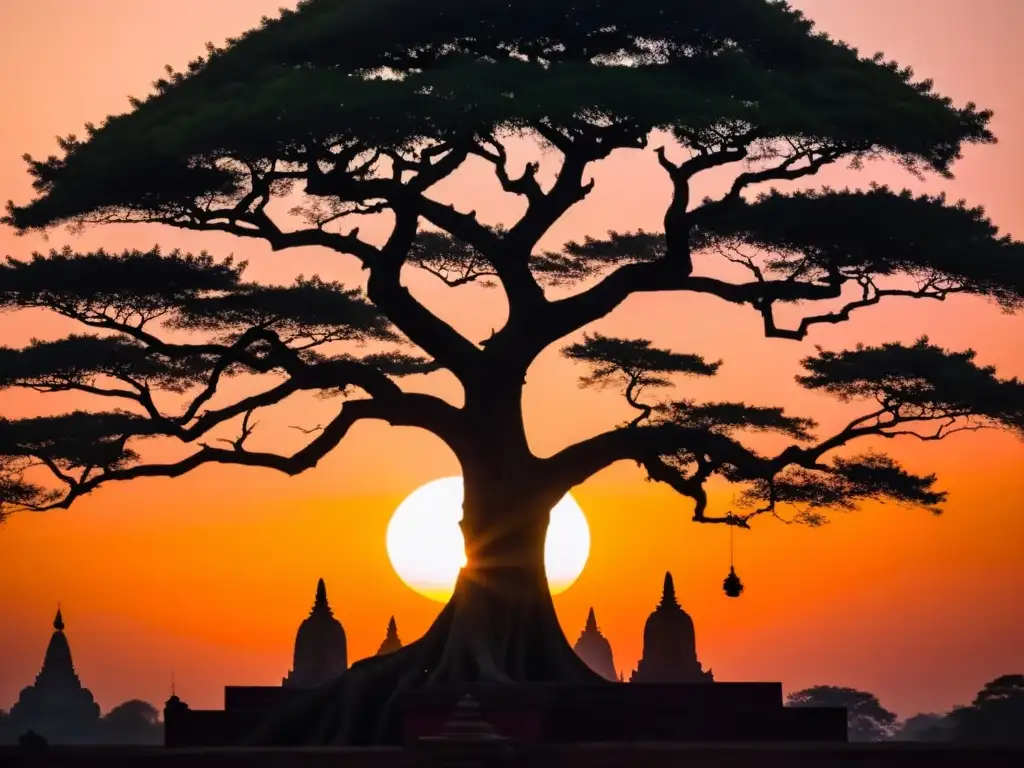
column 499, row 627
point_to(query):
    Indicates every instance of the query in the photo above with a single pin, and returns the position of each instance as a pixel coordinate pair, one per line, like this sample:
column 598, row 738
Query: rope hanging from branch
column 732, row 585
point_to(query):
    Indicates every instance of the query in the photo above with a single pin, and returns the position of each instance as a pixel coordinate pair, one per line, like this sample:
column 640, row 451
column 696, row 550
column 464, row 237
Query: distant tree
column 924, row 727
column 334, row 115
column 6, row 736
column 996, row 716
column 866, row 718
column 30, row 740
column 132, row 722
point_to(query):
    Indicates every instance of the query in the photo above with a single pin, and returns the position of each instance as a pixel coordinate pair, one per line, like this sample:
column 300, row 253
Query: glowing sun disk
column 426, row 548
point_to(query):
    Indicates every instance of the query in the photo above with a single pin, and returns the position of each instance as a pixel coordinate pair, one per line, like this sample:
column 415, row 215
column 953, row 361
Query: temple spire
column 57, row 693
column 668, row 593
column 670, row 644
column 594, row 649
column 391, row 640
column 321, row 647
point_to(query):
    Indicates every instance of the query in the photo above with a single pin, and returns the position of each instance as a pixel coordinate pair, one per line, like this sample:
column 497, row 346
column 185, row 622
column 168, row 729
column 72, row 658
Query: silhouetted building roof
column 56, row 705
column 595, row 650
column 670, row 644
column 391, row 640
column 321, row 648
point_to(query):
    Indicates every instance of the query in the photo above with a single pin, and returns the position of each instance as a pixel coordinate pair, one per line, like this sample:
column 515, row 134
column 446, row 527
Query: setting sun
column 426, row 549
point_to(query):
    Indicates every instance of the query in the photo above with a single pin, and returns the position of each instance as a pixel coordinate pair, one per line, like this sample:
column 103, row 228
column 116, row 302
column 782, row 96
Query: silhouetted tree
column 132, row 722
column 926, row 726
column 996, row 716
column 338, row 115
column 30, row 740
column 866, row 718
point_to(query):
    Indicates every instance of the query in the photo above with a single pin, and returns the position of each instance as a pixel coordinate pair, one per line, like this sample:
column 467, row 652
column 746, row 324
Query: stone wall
column 561, row 714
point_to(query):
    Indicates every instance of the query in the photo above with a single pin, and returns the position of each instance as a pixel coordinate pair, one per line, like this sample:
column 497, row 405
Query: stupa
column 57, row 706
column 595, row 650
column 321, row 648
column 684, row 708
column 391, row 640
column 670, row 644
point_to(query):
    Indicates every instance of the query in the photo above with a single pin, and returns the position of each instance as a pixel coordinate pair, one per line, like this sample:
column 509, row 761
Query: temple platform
column 557, row 714
column 653, row 712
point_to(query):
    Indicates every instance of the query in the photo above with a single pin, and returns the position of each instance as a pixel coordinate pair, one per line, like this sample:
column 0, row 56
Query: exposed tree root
column 479, row 637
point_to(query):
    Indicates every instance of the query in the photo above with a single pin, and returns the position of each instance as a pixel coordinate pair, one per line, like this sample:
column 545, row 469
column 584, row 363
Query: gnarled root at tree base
column 481, row 636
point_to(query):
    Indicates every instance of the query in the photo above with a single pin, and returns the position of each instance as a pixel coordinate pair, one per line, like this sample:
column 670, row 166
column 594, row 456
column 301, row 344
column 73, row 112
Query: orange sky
column 209, row 575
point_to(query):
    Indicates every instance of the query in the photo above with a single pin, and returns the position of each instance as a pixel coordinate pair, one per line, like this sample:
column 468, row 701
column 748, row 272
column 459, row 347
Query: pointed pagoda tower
column 670, row 644
column 57, row 706
column 391, row 640
column 595, row 650
column 321, row 647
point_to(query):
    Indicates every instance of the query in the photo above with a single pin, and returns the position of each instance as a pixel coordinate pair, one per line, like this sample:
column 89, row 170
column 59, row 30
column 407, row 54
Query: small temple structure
column 57, row 706
column 677, row 703
column 595, row 650
column 391, row 640
column 670, row 644
column 320, row 655
column 321, row 648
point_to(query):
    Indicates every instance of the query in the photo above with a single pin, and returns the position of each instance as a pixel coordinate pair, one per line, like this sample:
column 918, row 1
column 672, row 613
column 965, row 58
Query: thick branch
column 658, row 446
column 409, row 202
column 673, row 272
column 384, row 287
column 677, row 224
column 589, row 144
column 333, row 374
column 570, row 314
column 788, row 170
column 262, row 227
column 510, row 267
column 576, row 463
column 871, row 296
column 693, row 487
column 414, row 410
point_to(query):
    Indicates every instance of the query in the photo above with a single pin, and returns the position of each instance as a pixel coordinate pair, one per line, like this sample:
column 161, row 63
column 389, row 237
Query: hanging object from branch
column 732, row 585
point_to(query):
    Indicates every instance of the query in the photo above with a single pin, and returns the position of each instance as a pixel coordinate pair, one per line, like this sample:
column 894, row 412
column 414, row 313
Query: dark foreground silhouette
column 299, row 106
column 132, row 722
column 995, row 716
column 58, row 709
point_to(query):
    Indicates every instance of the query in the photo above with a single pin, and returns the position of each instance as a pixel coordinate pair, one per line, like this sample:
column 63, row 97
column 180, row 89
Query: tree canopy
column 131, row 722
column 925, row 726
column 867, row 719
column 995, row 715
column 334, row 111
column 992, row 718
column 321, row 86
